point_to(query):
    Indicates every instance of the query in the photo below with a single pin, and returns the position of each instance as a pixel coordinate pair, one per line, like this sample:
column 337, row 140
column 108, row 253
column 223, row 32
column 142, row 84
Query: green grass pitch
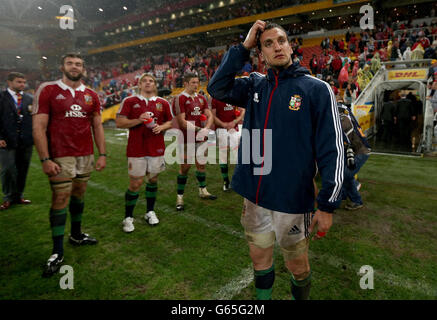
column 201, row 253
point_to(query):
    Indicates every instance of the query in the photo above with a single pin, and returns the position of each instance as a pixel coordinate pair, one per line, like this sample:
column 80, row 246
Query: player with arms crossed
column 301, row 115
column 147, row 116
column 66, row 116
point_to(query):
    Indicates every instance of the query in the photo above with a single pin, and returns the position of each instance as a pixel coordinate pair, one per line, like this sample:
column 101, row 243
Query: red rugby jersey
column 71, row 111
column 192, row 106
column 142, row 141
column 224, row 111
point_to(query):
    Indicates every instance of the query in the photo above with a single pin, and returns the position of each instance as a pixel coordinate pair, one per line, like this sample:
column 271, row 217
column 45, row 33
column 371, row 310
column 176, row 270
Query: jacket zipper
column 265, row 126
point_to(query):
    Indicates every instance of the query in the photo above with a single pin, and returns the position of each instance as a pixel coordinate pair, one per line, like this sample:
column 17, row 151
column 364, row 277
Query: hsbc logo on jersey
column 228, row 107
column 196, row 111
column 75, row 112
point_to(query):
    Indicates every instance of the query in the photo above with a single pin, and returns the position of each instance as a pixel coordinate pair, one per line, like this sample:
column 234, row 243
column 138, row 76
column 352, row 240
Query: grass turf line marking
column 236, row 285
column 394, row 155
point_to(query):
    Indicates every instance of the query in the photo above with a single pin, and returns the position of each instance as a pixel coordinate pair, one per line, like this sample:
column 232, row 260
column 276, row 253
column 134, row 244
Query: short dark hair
column 13, row 75
column 72, row 55
column 269, row 25
column 189, row 76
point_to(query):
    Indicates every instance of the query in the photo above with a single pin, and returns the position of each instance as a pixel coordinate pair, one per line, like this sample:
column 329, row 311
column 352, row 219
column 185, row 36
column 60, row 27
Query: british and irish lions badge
column 295, row 102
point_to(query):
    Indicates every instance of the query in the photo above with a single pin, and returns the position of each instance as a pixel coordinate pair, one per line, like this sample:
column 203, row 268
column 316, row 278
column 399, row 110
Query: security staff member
column 15, row 140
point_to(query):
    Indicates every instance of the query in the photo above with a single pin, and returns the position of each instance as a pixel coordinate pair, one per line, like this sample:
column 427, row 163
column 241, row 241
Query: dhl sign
column 365, row 116
column 407, row 74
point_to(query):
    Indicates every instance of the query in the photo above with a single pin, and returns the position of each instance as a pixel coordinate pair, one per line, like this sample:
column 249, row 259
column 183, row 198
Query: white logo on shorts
column 294, row 230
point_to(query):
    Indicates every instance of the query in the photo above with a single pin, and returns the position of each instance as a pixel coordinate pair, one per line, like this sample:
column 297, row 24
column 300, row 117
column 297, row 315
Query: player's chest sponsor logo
column 295, row 102
column 75, row 112
column 196, row 111
column 228, row 107
column 88, row 99
column 60, row 97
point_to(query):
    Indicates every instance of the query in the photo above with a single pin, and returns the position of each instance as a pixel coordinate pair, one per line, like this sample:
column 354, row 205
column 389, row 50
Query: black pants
column 14, row 166
column 387, row 129
column 405, row 134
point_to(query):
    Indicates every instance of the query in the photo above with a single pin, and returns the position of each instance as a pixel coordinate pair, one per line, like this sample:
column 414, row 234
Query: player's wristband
column 45, row 159
column 102, row 155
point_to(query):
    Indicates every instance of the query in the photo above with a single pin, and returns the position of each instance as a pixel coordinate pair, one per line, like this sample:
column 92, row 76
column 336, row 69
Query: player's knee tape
column 82, row 177
column 295, row 250
column 261, row 240
column 61, row 186
column 301, row 277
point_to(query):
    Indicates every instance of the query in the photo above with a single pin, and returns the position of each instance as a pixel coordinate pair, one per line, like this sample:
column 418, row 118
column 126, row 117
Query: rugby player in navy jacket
column 301, row 113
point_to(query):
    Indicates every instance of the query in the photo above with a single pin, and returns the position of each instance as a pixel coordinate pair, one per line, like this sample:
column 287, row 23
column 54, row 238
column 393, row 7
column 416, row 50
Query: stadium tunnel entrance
column 412, row 131
column 410, row 134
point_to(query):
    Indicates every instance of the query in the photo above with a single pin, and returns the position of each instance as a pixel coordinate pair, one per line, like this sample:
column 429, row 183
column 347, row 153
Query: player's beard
column 71, row 77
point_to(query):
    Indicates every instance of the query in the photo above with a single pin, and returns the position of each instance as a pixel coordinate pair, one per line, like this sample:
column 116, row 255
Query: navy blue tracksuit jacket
column 302, row 114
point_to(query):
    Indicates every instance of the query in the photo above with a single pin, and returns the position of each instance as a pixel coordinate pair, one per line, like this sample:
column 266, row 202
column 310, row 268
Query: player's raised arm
column 223, row 86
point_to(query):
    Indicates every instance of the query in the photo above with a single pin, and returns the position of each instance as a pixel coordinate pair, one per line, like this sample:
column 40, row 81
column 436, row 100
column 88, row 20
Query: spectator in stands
column 333, row 87
column 407, row 54
column 376, row 63
column 430, row 52
column 350, row 94
column 432, row 71
column 313, row 64
column 336, row 65
column 395, row 52
column 325, row 44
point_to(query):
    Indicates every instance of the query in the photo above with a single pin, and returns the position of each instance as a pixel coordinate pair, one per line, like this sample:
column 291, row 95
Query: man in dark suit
column 16, row 140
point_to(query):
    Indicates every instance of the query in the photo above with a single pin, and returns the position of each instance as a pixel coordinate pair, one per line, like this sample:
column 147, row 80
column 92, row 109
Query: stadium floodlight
column 44, row 57
column 39, row 8
column 125, row 8
column 18, row 57
column 100, row 9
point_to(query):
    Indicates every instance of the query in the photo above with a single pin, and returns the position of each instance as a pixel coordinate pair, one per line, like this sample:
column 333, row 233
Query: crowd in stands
column 349, row 63
column 168, row 25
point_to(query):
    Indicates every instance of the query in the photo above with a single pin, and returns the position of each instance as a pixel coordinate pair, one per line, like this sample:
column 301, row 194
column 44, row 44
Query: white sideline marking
column 235, row 285
column 395, row 155
column 246, row 276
